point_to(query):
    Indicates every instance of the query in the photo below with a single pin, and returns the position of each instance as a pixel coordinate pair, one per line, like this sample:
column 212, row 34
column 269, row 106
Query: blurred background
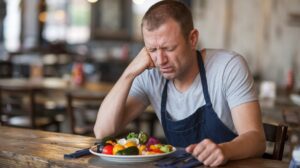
column 81, row 41
column 265, row 32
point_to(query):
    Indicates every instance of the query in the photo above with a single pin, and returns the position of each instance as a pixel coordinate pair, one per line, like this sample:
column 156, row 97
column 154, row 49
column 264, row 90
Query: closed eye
column 170, row 48
column 151, row 50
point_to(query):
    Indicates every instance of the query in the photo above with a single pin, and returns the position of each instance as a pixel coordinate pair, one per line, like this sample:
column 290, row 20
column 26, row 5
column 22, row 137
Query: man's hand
column 140, row 63
column 207, row 152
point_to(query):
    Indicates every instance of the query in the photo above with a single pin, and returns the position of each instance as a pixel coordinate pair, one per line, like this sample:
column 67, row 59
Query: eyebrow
column 163, row 47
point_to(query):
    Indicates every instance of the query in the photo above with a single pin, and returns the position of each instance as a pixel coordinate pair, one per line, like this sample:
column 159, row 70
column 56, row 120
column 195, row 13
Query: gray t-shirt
column 229, row 81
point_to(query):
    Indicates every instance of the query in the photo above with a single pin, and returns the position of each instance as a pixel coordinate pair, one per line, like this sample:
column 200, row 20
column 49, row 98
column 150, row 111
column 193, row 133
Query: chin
column 168, row 76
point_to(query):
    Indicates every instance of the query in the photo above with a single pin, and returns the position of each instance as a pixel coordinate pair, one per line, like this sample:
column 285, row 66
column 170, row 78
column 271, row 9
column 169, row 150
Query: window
column 67, row 21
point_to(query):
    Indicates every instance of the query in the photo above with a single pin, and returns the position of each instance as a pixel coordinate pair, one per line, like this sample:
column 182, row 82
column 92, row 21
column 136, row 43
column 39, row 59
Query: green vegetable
column 132, row 135
column 143, row 137
column 166, row 148
column 133, row 150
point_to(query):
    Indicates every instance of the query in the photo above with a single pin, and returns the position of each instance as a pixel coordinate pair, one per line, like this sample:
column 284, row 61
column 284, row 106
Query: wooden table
column 56, row 88
column 33, row 148
column 54, row 84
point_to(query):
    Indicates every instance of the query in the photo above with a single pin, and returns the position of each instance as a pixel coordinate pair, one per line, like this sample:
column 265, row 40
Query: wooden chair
column 6, row 69
column 276, row 134
column 291, row 117
column 25, row 114
column 149, row 118
column 83, row 101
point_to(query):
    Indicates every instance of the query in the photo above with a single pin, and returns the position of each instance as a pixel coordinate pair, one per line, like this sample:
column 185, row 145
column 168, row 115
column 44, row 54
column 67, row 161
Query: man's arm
column 117, row 109
column 250, row 141
column 251, row 138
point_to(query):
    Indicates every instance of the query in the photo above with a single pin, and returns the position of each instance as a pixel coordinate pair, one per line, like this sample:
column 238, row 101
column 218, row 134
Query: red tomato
column 156, row 150
column 108, row 150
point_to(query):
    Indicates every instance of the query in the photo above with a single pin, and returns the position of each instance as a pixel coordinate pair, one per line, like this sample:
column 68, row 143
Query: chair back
column 149, row 119
column 291, row 117
column 15, row 96
column 6, row 69
column 84, row 100
column 276, row 134
column 18, row 109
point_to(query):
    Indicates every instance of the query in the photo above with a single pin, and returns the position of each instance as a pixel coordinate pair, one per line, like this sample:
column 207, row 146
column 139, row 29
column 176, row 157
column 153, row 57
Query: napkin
column 77, row 154
column 180, row 158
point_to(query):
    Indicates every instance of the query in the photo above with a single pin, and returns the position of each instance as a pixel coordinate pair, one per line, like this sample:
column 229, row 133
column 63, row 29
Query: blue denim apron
column 204, row 123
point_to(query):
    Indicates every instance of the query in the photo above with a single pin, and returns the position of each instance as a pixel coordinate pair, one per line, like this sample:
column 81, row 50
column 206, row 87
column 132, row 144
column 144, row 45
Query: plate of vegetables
column 135, row 147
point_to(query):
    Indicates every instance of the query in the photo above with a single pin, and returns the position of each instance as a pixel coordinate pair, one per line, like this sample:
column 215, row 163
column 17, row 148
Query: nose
column 161, row 57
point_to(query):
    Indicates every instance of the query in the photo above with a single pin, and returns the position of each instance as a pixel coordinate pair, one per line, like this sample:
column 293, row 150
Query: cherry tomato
column 108, row 150
column 156, row 150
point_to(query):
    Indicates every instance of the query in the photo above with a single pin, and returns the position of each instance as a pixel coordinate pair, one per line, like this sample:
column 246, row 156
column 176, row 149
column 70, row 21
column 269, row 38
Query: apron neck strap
column 164, row 97
column 203, row 77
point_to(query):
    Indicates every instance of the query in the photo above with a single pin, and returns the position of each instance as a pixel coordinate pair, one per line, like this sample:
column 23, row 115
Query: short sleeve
column 238, row 82
column 139, row 89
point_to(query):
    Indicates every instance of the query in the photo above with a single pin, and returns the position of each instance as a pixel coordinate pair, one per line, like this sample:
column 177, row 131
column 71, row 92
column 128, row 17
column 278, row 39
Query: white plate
column 130, row 158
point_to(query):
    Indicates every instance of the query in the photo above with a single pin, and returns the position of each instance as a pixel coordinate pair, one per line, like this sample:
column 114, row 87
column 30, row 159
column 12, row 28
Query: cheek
column 176, row 61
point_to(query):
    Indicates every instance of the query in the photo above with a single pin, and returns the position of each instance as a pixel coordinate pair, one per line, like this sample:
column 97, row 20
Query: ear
column 193, row 38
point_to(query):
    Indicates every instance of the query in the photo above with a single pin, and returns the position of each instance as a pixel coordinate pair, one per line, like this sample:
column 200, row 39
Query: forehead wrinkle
column 156, row 42
column 162, row 36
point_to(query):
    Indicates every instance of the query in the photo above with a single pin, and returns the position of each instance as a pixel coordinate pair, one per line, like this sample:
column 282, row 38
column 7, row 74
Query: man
column 205, row 99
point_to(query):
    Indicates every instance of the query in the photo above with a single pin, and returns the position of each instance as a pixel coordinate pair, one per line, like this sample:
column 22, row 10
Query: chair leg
column 152, row 127
column 137, row 124
column 57, row 126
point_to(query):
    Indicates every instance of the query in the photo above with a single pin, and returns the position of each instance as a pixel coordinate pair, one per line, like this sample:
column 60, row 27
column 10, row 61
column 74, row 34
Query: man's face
column 168, row 49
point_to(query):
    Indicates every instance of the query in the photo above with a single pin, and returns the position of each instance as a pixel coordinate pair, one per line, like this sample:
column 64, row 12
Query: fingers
column 151, row 63
column 218, row 161
column 210, row 160
column 190, row 148
column 204, row 149
column 139, row 64
column 144, row 54
column 216, row 158
column 207, row 152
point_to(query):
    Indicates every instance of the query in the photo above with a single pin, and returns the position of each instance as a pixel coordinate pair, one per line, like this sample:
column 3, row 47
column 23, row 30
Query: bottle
column 78, row 74
column 290, row 81
column 295, row 162
column 125, row 52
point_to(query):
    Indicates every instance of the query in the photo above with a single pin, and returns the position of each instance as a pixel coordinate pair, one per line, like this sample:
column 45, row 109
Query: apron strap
column 203, row 78
column 164, row 105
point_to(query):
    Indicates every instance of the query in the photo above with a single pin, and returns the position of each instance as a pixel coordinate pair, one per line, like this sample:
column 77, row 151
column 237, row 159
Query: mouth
column 166, row 69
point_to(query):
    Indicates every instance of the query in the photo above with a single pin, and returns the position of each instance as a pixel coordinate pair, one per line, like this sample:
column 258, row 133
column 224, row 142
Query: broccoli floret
column 143, row 137
column 132, row 135
column 166, row 148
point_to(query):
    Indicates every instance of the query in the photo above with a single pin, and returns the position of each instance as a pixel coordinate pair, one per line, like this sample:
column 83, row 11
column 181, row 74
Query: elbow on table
column 101, row 132
column 96, row 132
column 261, row 146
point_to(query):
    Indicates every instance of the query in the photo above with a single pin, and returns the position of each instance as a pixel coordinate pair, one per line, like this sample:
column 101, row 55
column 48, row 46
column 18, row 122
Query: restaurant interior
column 59, row 58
